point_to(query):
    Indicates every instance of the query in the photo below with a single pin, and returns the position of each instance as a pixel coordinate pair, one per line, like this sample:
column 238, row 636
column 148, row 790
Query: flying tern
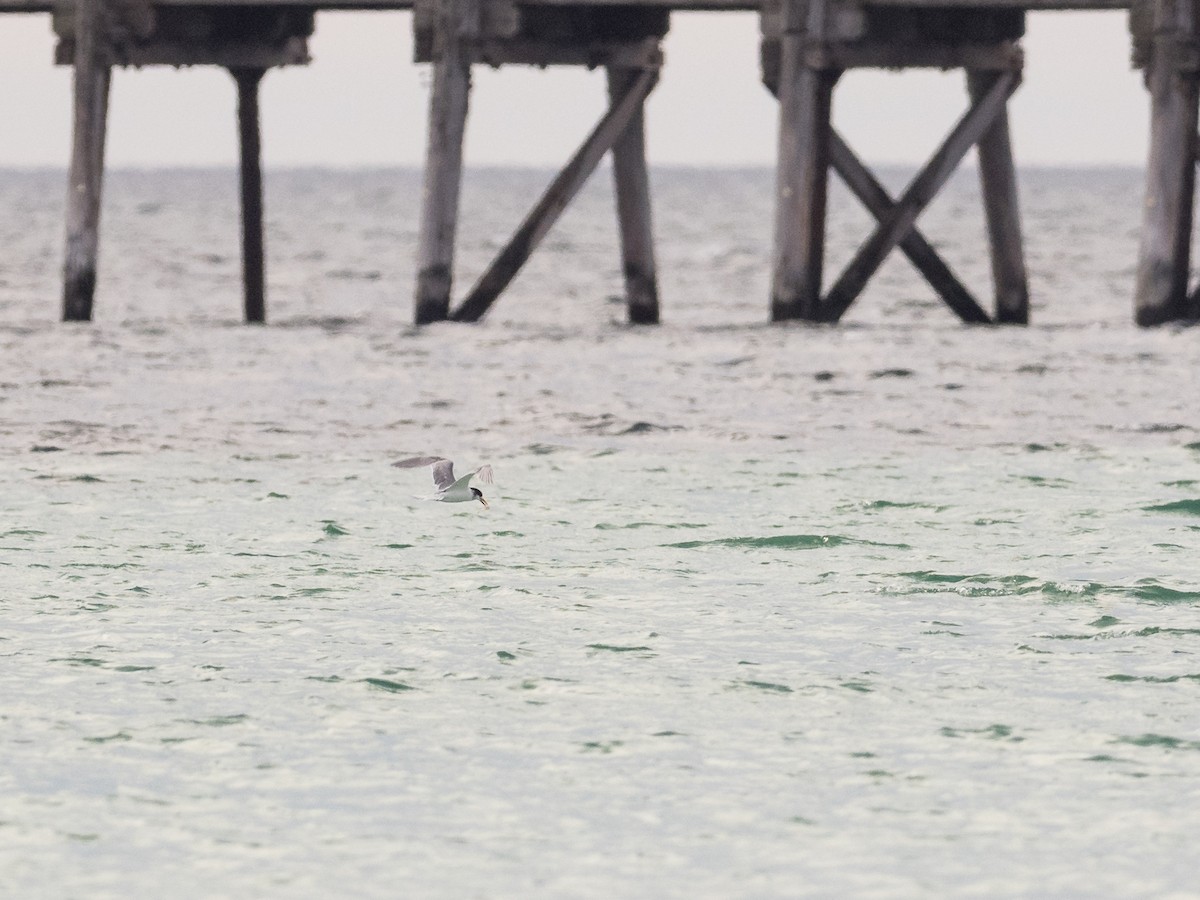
column 450, row 490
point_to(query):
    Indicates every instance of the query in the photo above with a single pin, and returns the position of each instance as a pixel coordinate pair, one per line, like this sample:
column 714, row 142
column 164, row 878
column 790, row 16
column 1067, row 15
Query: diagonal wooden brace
column 914, row 245
column 557, row 196
column 895, row 226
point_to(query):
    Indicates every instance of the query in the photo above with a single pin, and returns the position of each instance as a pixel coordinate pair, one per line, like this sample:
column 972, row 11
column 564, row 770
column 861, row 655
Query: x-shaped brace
column 897, row 218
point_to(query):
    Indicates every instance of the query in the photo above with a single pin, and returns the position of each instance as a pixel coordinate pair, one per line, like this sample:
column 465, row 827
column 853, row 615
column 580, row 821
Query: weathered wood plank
column 557, row 196
column 250, row 154
column 40, row 6
column 456, row 29
column 632, row 186
column 714, row 5
column 625, row 55
column 914, row 245
column 86, row 176
column 802, row 168
column 1007, row 4
column 27, row 6
column 749, row 5
column 914, row 56
column 998, row 181
column 916, row 197
column 1164, row 252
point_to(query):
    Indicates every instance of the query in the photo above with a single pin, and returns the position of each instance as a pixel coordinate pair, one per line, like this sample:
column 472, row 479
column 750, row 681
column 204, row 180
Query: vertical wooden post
column 91, row 84
column 250, row 147
column 1164, row 253
column 998, row 180
column 802, row 174
column 632, row 184
column 457, row 26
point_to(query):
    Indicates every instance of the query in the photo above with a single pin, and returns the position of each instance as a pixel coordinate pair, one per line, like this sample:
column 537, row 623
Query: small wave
column 392, row 687
column 607, row 526
column 647, row 427
column 354, row 274
column 1043, row 481
column 1149, row 589
column 873, row 505
column 1177, row 507
column 1162, row 428
column 765, row 686
column 785, row 542
column 979, row 585
column 608, row 424
column 1159, row 740
column 983, row 585
column 621, row 648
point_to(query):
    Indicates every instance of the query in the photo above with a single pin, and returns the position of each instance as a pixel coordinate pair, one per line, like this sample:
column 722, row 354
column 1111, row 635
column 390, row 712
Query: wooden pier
column 806, row 46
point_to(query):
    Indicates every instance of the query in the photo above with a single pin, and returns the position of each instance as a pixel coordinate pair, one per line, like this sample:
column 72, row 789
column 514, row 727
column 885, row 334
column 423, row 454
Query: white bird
column 448, row 489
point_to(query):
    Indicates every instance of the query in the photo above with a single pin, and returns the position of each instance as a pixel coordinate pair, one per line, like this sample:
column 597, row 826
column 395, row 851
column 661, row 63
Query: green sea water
column 896, row 609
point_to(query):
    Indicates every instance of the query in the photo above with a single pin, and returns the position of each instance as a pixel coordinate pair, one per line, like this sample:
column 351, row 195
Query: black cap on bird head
column 479, row 496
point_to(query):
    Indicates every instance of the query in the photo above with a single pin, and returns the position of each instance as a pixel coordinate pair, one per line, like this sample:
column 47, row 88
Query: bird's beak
column 484, row 502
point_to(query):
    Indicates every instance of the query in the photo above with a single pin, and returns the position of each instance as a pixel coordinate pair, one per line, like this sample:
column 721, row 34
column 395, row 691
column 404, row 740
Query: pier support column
column 250, row 147
column 632, row 183
column 802, row 174
column 455, row 30
column 1164, row 254
column 92, row 76
column 998, row 181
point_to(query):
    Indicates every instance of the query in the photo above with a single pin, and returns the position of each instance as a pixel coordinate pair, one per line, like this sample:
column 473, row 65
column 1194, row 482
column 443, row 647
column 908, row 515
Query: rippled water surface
column 897, row 609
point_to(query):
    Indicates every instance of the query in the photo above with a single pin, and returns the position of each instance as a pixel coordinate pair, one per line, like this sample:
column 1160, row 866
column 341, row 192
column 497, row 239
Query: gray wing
column 443, row 469
column 483, row 473
column 443, row 474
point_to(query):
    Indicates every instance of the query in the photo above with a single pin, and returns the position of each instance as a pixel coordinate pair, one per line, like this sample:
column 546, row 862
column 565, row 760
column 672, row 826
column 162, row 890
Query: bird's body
column 450, row 489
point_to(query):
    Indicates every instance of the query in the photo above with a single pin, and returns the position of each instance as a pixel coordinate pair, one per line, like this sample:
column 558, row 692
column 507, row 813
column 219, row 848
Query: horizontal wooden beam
column 1031, row 5
column 991, row 57
column 712, row 5
column 181, row 53
column 41, row 6
column 632, row 55
column 30, row 6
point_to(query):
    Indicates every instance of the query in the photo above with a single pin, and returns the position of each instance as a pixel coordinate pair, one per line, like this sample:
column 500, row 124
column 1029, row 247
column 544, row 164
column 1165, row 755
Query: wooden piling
column 801, row 180
column 1164, row 254
column 92, row 76
column 456, row 26
column 632, row 186
column 557, row 196
column 250, row 147
column 998, row 183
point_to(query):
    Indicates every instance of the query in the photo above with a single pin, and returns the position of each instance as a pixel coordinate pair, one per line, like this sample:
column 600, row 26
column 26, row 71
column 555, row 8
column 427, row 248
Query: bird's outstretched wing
column 443, row 474
column 443, row 469
column 483, row 474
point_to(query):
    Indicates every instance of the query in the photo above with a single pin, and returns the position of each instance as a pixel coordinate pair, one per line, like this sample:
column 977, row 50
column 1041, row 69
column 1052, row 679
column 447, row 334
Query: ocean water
column 901, row 608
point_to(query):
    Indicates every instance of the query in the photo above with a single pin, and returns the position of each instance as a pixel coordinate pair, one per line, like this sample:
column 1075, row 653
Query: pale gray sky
column 362, row 101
